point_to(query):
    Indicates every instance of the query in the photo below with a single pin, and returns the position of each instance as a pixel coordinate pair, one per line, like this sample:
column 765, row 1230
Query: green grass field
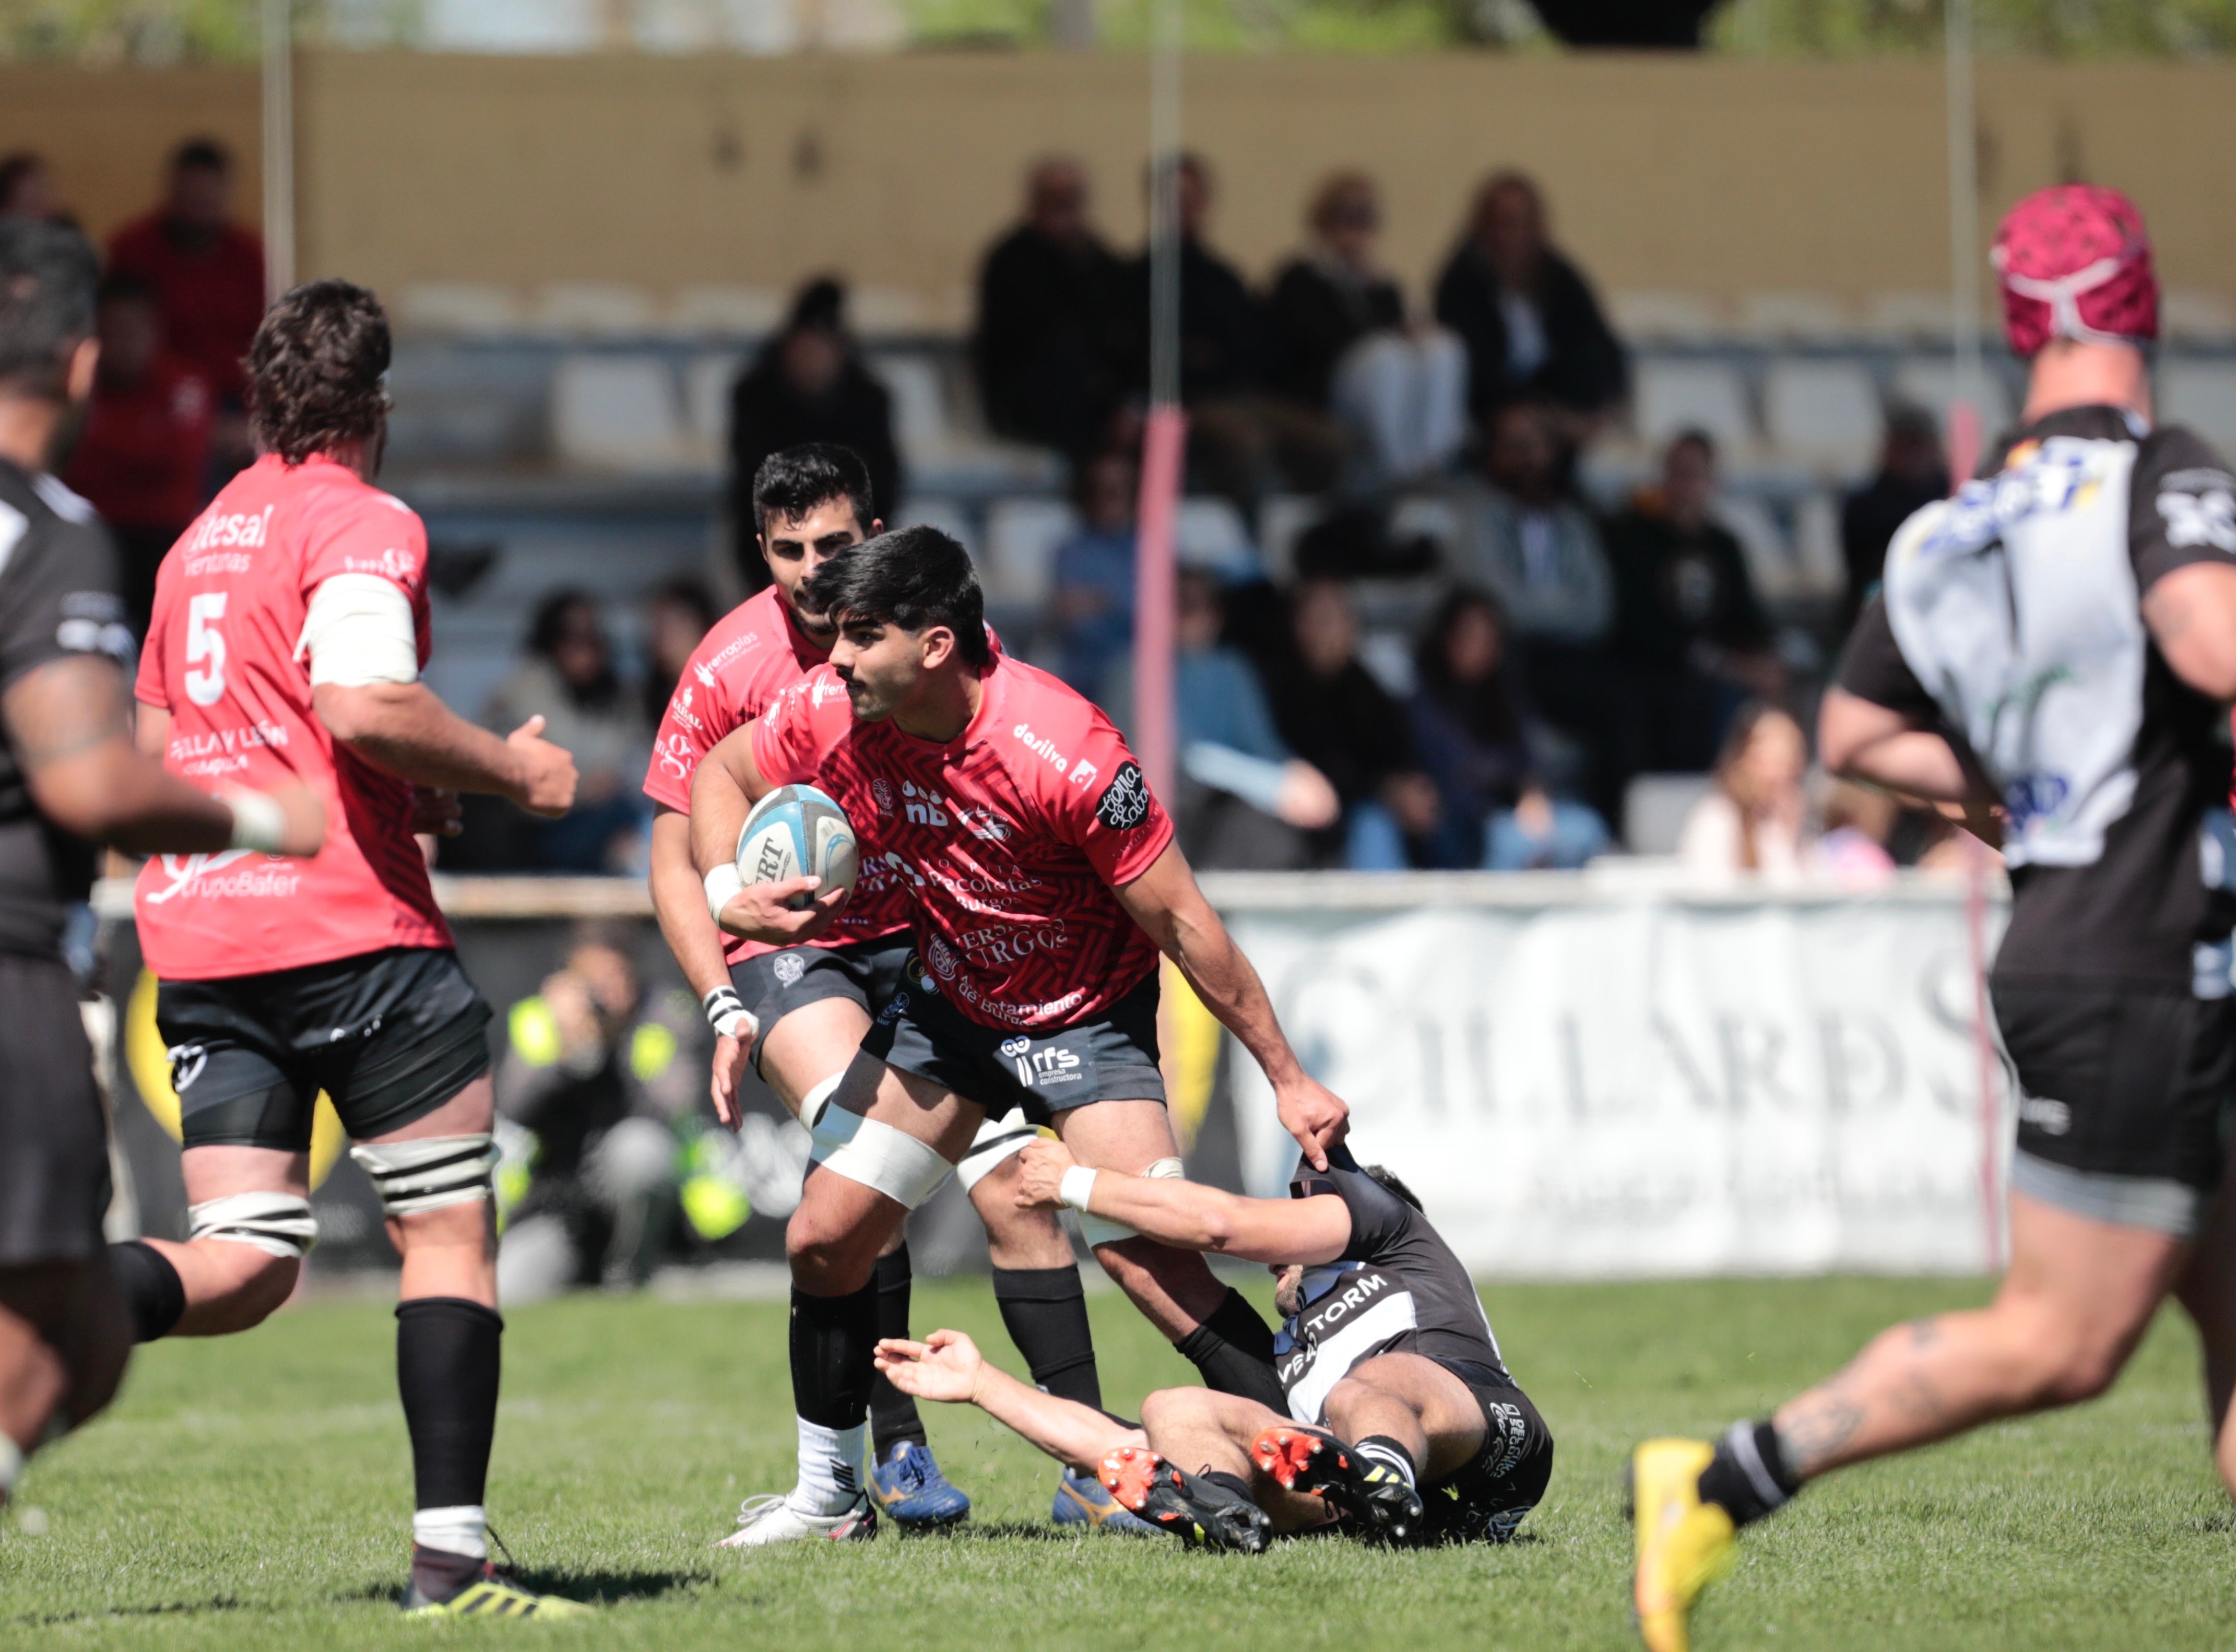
column 253, row 1493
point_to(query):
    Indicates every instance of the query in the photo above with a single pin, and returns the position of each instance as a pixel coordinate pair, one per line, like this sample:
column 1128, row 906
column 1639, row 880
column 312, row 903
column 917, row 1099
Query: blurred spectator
column 808, row 385
column 1092, row 607
column 209, row 276
column 1751, row 822
column 567, row 677
column 26, row 190
column 1471, row 726
column 143, row 451
column 1333, row 715
column 1531, row 323
column 1912, row 474
column 1690, row 639
column 594, row 1079
column 676, row 617
column 1045, row 299
column 1340, row 343
column 1858, row 822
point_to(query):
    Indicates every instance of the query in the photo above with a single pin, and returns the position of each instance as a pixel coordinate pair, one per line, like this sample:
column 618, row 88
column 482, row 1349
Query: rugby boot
column 1081, row 1501
column 1196, row 1507
column 1684, row 1545
column 771, row 1518
column 911, row 1492
column 490, row 1595
column 1315, row 1462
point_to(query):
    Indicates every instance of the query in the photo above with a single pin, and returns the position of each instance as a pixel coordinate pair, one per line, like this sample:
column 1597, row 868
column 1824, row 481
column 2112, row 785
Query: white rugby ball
column 798, row 831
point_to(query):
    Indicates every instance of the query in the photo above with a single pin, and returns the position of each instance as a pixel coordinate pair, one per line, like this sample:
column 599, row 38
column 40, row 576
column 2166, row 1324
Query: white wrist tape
column 357, row 629
column 818, row 1098
column 279, row 1224
column 997, row 1139
column 727, row 1015
column 258, row 823
column 721, row 884
column 11, row 1466
column 1101, row 1230
column 879, row 1157
column 1077, row 1187
column 429, row 1173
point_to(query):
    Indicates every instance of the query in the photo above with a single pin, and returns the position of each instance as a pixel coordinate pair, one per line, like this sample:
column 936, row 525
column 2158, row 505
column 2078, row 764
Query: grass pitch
column 253, row 1493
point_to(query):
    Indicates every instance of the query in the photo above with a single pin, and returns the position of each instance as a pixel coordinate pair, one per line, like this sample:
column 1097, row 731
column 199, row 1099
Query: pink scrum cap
column 2075, row 262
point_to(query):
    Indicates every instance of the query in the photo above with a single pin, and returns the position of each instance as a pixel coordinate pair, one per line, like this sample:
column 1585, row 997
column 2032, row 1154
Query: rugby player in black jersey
column 1402, row 1422
column 2051, row 652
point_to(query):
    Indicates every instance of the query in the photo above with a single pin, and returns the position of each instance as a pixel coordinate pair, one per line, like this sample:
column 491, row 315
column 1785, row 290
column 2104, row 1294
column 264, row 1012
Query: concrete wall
column 1708, row 174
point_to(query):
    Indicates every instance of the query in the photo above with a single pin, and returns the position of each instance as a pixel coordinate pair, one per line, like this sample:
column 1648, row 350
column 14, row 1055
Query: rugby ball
column 798, row 831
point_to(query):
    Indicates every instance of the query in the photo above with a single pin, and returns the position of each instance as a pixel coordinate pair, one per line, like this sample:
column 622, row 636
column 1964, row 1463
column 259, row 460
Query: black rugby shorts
column 773, row 985
column 54, row 1136
column 1485, row 1498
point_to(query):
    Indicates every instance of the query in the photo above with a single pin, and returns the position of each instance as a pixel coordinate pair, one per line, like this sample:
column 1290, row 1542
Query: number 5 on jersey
column 205, row 684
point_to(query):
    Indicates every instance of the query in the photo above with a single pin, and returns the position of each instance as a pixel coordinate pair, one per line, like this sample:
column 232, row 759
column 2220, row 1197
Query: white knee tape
column 428, row 1173
column 997, row 1139
column 892, row 1161
column 279, row 1224
column 812, row 1105
column 1101, row 1230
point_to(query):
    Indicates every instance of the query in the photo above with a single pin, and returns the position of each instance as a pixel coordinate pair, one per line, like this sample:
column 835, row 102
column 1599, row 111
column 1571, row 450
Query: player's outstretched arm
column 1165, row 902
column 723, row 792
column 1860, row 740
column 947, row 1366
column 67, row 720
column 404, row 728
column 680, row 903
column 1187, row 1214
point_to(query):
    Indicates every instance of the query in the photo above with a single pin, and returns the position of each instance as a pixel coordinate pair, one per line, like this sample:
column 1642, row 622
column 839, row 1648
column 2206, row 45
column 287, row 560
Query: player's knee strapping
column 279, row 1224
column 888, row 1161
column 427, row 1175
column 1100, row 1230
column 813, row 1103
column 997, row 1139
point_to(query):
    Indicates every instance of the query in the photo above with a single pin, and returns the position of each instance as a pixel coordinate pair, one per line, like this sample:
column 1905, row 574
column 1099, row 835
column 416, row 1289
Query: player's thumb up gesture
column 543, row 775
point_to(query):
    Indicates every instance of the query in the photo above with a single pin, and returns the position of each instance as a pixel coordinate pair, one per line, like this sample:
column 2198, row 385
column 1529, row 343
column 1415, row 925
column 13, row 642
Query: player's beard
column 818, row 628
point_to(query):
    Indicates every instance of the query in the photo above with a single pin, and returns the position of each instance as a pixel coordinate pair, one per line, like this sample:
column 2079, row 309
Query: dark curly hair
column 315, row 370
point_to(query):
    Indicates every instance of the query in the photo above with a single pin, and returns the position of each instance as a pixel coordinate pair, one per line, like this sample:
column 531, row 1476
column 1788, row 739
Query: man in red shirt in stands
column 144, row 449
column 209, row 276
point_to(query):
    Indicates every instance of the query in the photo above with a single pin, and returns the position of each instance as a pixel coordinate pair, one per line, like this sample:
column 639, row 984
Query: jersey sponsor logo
column 923, row 806
column 675, row 757
column 941, row 956
column 1040, row 747
column 219, row 562
column 192, row 875
column 824, row 688
column 2051, row 1118
column 2203, row 517
column 731, row 650
column 680, row 708
column 220, row 751
column 2059, row 473
column 1084, row 773
column 186, row 1064
column 983, row 823
column 231, row 527
column 1513, row 1434
column 92, row 622
column 391, row 563
column 1041, row 1068
column 882, row 793
column 789, row 967
column 1125, row 802
column 706, row 677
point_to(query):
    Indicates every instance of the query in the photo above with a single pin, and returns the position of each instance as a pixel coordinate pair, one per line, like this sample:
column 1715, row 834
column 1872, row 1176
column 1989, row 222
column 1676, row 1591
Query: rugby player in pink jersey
column 1045, row 882
column 798, row 1012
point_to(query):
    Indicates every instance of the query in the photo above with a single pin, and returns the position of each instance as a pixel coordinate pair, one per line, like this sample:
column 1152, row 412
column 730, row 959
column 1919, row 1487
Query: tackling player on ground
column 2056, row 642
column 801, row 1010
column 69, row 778
column 290, row 629
column 1401, row 1417
column 1045, row 882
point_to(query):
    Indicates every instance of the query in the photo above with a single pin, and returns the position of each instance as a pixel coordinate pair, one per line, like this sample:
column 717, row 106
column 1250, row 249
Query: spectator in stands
column 1092, row 607
column 1341, row 346
column 1690, row 640
column 1529, row 318
column 566, row 676
column 1045, row 299
column 1752, row 821
column 26, row 190
column 1470, row 725
column 1331, row 713
column 676, row 617
column 209, row 276
column 143, row 451
column 1912, row 474
column 808, row 385
column 1859, row 825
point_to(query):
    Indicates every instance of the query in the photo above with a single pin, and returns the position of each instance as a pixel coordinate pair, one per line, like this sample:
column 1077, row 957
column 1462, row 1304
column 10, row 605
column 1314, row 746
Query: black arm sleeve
column 2182, row 504
column 58, row 597
column 1871, row 666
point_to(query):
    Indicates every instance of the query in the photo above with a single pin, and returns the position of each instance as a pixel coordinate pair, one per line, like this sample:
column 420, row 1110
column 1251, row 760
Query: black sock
column 1748, row 1476
column 893, row 1416
column 154, row 1295
column 1045, row 1310
column 1233, row 1483
column 449, row 1352
column 834, row 1341
column 1391, row 1454
column 1233, row 1349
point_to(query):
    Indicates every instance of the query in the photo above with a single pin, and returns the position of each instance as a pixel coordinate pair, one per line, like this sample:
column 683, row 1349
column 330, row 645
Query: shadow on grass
column 168, row 1608
column 592, row 1588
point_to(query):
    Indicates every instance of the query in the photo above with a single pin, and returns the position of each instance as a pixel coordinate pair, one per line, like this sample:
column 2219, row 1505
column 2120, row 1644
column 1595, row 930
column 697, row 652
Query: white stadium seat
column 1794, row 317
column 469, row 309
column 594, row 309
column 1211, row 534
column 706, row 383
column 1930, row 383
column 1818, row 560
column 877, row 312
column 2188, row 316
column 1282, row 521
column 1823, row 414
column 1769, row 553
column 949, row 516
column 1649, row 317
column 1909, row 317
column 920, row 424
column 1653, row 810
column 2202, row 395
column 730, row 312
column 617, row 413
column 1673, row 396
column 1022, row 537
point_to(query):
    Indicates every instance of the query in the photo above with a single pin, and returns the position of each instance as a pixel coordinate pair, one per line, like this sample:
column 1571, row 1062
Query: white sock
column 1396, row 1462
column 11, row 1466
column 830, row 1467
column 460, row 1530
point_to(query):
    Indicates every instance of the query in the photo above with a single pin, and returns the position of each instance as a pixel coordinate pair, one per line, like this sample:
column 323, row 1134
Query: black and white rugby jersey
column 1397, row 1288
column 2010, row 618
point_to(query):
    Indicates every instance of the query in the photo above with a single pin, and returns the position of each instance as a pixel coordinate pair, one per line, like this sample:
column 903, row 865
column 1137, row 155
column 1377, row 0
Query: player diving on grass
column 69, row 781
column 1044, row 882
column 290, row 629
column 2056, row 642
column 1401, row 1421
column 800, row 1012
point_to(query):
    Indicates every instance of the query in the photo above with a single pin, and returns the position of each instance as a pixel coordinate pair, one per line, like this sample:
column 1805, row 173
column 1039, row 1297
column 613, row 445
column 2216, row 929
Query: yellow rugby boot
column 1684, row 1545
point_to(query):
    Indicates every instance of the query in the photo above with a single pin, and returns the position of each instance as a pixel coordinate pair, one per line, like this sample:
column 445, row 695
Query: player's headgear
column 912, row 578
column 48, row 274
column 2075, row 262
column 318, row 369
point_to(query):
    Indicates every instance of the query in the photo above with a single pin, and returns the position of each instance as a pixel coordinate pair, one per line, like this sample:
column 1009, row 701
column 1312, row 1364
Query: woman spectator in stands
column 676, row 617
column 1341, row 345
column 1471, row 726
column 566, row 676
column 1752, row 822
column 1530, row 322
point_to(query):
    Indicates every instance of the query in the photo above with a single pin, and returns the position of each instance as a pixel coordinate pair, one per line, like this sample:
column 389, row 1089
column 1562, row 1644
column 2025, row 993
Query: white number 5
column 206, row 686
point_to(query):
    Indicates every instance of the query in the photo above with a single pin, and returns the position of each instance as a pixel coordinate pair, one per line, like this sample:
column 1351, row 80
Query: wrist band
column 721, row 884
column 258, row 821
column 1078, row 1182
column 727, row 1011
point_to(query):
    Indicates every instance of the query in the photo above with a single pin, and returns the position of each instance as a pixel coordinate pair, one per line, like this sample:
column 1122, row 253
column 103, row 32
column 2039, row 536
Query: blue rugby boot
column 911, row 1492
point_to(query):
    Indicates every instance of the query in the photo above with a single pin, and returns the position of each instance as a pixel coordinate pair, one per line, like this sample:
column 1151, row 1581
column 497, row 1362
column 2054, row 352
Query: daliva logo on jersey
column 1041, row 1068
